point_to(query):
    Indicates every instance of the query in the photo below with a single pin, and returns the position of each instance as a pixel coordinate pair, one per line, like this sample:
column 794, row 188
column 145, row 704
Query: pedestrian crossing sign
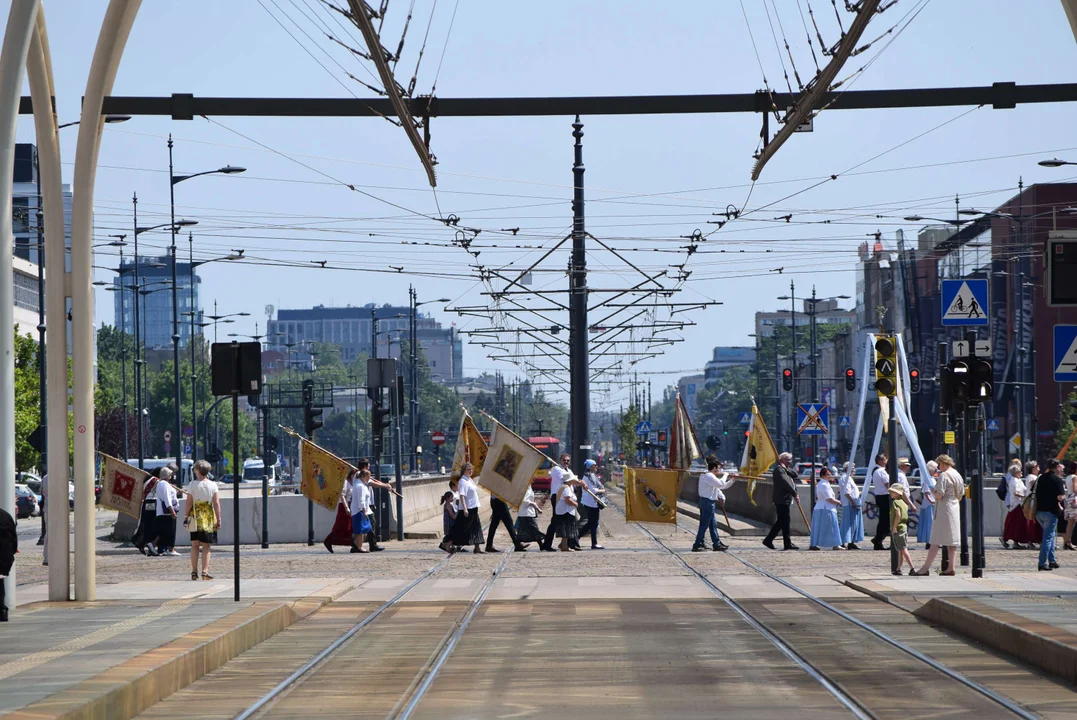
column 813, row 419
column 843, row 421
column 1065, row 357
column 964, row 302
column 992, row 424
column 745, row 418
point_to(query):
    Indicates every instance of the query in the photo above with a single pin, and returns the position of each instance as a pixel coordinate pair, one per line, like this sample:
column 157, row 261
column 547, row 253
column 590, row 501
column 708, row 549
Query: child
column 448, row 515
column 899, row 525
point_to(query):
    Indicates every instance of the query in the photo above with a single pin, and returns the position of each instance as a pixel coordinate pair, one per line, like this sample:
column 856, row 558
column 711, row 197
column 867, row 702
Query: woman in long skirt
column 567, row 529
column 824, row 518
column 527, row 528
column 945, row 531
column 1035, row 532
column 467, row 528
column 927, row 505
column 341, row 534
column 146, row 534
column 852, row 517
column 1015, row 526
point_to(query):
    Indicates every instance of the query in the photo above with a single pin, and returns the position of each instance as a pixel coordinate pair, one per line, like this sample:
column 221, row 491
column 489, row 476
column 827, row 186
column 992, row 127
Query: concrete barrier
column 288, row 515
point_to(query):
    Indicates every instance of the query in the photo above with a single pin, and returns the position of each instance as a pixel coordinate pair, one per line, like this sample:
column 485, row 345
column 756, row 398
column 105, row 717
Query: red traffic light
column 914, row 374
column 747, row 433
column 787, row 372
column 849, row 372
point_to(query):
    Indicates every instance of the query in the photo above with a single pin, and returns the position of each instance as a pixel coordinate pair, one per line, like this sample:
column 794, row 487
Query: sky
column 651, row 180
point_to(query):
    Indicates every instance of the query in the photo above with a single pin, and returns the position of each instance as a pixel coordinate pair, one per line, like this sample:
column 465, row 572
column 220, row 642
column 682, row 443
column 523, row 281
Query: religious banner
column 509, row 466
column 323, row 475
column 759, row 452
column 651, row 495
column 683, row 443
column 470, row 447
column 121, row 486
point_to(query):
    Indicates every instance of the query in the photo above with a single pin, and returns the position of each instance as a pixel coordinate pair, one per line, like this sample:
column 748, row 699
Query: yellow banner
column 122, row 486
column 470, row 447
column 759, row 452
column 323, row 475
column 651, row 495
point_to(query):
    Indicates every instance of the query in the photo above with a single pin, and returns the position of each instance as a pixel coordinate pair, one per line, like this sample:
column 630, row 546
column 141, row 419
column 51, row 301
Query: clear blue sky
column 502, row 173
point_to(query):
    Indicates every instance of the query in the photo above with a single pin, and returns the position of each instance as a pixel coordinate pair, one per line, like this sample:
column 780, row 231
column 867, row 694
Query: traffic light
column 886, row 366
column 850, row 379
column 379, row 417
column 981, row 380
column 312, row 419
column 787, row 379
column 271, row 458
column 713, row 443
column 959, row 381
column 914, row 380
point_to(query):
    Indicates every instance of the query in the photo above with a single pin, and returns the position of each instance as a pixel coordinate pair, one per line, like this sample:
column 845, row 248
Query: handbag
column 1001, row 490
column 1028, row 507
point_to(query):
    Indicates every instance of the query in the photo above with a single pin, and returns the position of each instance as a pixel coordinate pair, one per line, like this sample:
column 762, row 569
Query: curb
column 1007, row 632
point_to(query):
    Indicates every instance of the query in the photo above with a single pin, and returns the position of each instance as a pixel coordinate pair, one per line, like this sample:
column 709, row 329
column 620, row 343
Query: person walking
column 785, row 492
column 467, row 530
column 710, row 494
column 903, row 480
column 341, row 534
column 590, row 505
column 9, row 545
column 202, row 516
column 1015, row 526
column 146, row 534
column 899, row 527
column 567, row 529
column 448, row 515
column 527, row 529
column 927, row 505
column 1069, row 505
column 557, row 474
column 1032, row 527
column 1050, row 493
column 945, row 531
column 361, row 500
column 167, row 507
column 824, row 516
column 880, row 488
column 499, row 513
column 852, row 516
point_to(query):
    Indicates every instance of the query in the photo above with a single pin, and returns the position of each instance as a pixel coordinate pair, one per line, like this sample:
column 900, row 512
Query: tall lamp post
column 792, row 298
column 413, row 400
column 173, row 180
column 813, row 313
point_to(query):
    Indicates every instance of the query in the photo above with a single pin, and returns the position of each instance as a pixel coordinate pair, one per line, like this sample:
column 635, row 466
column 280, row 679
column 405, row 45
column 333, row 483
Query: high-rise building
column 726, row 357
column 689, row 386
column 349, row 328
column 155, row 312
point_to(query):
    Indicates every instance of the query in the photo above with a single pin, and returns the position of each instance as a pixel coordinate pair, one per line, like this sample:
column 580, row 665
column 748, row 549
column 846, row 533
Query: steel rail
column 336, row 644
column 447, row 650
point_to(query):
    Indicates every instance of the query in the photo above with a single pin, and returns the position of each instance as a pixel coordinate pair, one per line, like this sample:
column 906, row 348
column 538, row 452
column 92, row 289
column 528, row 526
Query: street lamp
column 1054, row 162
column 815, row 300
column 173, row 179
column 108, row 119
column 413, row 400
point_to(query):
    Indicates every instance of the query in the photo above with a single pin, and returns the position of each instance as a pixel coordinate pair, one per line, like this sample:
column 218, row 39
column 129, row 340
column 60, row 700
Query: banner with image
column 122, row 486
column 323, row 475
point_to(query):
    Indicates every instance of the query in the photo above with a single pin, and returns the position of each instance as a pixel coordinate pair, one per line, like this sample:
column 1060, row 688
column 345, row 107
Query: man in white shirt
column 710, row 493
column 167, row 502
column 880, row 488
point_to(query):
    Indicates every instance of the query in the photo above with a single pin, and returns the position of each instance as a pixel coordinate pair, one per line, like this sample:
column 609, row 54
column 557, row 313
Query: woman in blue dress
column 927, row 504
column 852, row 516
column 824, row 518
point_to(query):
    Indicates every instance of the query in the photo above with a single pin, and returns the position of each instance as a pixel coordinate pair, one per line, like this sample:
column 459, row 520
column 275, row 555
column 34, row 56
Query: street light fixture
column 110, row 119
column 1054, row 162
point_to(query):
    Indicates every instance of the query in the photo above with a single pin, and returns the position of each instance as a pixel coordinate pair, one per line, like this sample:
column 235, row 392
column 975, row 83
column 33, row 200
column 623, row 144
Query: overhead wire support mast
column 360, row 14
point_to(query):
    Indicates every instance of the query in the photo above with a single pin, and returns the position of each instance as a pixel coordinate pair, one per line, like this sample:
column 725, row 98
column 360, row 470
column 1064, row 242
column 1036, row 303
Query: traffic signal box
column 914, row 380
column 850, row 379
column 886, row 366
column 787, row 379
column 312, row 416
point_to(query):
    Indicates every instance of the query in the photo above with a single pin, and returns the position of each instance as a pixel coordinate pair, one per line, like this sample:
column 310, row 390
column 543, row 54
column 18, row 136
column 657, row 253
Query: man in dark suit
column 785, row 493
column 9, row 545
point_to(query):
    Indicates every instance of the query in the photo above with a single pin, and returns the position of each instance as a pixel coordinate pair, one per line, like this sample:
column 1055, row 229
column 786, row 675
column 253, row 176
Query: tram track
column 808, row 639
column 330, row 661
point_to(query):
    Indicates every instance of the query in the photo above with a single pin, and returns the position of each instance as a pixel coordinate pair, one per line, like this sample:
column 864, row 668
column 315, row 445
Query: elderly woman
column 946, row 530
column 824, row 517
column 852, row 518
column 1015, row 526
column 927, row 505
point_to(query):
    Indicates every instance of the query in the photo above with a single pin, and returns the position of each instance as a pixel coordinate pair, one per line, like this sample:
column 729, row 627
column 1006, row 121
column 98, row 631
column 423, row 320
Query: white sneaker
column 173, row 553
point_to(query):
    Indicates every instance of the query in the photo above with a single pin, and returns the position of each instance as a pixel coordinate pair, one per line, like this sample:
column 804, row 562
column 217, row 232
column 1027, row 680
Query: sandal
column 206, row 575
column 194, row 574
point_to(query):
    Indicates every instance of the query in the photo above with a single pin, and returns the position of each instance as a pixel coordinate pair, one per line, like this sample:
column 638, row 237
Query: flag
column 323, row 475
column 470, row 447
column 683, row 443
column 510, row 464
column 122, row 486
column 651, row 495
column 759, row 452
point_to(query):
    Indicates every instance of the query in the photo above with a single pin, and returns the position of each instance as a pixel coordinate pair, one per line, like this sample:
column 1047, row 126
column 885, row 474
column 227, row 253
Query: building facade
column 155, row 296
column 689, row 386
column 353, row 330
column 726, row 357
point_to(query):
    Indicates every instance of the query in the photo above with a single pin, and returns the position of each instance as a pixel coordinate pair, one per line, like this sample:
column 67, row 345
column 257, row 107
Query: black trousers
column 780, row 525
column 3, row 607
column 592, row 523
column 552, row 529
column 882, row 529
column 499, row 513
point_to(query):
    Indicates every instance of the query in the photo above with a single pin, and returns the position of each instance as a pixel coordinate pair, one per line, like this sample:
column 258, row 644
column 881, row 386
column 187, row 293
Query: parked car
column 229, row 478
column 26, row 504
column 29, row 480
column 803, row 469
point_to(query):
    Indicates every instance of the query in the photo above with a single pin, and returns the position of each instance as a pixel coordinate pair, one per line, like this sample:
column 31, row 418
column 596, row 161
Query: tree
column 27, row 402
column 1066, row 427
column 626, row 430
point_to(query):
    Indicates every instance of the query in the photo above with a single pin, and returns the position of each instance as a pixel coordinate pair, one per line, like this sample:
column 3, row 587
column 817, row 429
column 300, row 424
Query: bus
column 551, row 448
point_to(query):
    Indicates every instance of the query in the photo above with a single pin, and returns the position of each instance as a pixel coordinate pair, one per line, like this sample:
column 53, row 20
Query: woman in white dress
column 946, row 529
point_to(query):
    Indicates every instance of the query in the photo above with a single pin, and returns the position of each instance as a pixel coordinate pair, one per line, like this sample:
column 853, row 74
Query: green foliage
column 719, row 406
column 1066, row 428
column 27, row 401
column 626, row 430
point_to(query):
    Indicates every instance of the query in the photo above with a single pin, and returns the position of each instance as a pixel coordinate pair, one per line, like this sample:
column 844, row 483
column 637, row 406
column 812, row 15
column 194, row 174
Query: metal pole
column 814, row 397
column 413, row 404
column 123, row 356
column 777, row 387
column 235, row 462
column 579, row 366
column 976, row 487
column 175, row 323
column 190, row 341
column 266, row 469
column 398, row 455
column 43, row 385
column 138, row 343
column 793, row 438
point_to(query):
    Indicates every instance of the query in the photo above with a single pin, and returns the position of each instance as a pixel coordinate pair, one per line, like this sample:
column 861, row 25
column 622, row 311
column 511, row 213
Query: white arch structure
column 25, row 49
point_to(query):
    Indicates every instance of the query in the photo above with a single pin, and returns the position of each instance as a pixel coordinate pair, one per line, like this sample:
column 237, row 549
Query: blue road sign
column 745, row 418
column 813, row 419
column 843, row 421
column 992, row 424
column 1065, row 353
column 964, row 302
column 642, row 428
